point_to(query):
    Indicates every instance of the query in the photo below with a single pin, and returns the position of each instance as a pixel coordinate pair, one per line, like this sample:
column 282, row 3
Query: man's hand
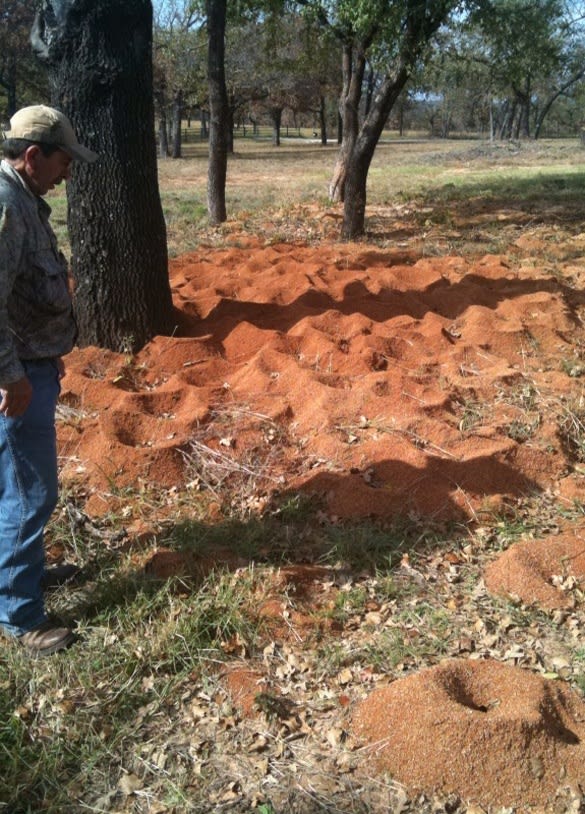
column 15, row 398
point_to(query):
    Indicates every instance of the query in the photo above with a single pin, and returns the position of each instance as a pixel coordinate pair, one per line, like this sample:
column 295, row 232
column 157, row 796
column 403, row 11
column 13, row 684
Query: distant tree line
column 507, row 69
column 501, row 69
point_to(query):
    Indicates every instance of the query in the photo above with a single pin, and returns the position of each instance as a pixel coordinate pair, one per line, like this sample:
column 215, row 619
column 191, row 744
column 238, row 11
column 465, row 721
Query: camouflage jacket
column 36, row 316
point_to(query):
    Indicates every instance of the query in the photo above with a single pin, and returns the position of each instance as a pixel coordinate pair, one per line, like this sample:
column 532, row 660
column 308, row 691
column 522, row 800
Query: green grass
column 524, row 186
column 185, row 214
column 66, row 724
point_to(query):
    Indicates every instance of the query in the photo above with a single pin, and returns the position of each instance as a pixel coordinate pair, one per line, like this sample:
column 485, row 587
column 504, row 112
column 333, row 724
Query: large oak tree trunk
column 218, row 111
column 99, row 57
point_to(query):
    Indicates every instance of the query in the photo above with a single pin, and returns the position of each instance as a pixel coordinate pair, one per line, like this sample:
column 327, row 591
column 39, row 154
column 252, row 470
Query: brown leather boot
column 47, row 638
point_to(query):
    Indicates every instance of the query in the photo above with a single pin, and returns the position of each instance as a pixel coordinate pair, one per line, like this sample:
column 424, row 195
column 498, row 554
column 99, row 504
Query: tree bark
column 358, row 166
column 177, row 118
column 370, row 87
column 163, row 141
column 523, row 121
column 553, row 97
column 218, row 111
column 10, row 88
column 323, row 122
column 204, row 132
column 230, row 132
column 506, row 118
column 421, row 21
column 276, row 116
column 353, row 68
column 99, row 58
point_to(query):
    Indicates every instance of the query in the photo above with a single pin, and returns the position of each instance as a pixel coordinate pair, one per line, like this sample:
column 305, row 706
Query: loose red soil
column 384, row 382
column 545, row 572
column 492, row 733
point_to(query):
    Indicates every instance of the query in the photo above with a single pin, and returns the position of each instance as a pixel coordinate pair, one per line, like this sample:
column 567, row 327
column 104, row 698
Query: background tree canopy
column 506, row 68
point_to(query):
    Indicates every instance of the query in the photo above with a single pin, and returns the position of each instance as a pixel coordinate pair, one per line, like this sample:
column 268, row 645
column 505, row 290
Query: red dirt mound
column 546, row 572
column 490, row 733
column 385, row 382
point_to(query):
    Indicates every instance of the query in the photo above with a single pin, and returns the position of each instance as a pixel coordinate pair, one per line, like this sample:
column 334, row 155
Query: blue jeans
column 28, row 495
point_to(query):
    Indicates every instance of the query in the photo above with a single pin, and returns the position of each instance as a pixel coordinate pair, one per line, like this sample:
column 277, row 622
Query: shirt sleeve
column 11, row 249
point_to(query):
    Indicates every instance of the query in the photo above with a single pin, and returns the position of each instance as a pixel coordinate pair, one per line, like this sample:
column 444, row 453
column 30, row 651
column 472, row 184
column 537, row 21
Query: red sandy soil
column 384, row 382
column 496, row 734
column 547, row 572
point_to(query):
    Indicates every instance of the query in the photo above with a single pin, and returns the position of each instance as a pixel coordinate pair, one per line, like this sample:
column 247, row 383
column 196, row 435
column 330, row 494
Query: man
column 36, row 329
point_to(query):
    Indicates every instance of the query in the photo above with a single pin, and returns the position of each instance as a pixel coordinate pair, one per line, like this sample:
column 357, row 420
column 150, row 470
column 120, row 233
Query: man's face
column 43, row 173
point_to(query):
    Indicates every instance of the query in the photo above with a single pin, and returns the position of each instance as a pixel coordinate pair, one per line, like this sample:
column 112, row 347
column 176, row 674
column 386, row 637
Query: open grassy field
column 283, row 191
column 274, row 188
column 188, row 692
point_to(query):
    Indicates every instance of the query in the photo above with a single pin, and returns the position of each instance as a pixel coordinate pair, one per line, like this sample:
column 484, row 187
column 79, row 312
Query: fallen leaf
column 129, row 784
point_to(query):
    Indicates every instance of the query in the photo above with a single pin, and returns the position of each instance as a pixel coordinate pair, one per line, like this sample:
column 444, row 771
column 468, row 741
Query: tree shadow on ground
column 547, row 198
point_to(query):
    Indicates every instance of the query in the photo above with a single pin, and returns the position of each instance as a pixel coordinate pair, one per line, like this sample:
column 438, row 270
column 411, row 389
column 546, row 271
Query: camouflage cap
column 48, row 126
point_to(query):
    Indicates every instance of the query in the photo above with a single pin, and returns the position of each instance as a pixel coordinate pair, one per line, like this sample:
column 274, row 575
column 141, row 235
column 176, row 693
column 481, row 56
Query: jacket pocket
column 50, row 281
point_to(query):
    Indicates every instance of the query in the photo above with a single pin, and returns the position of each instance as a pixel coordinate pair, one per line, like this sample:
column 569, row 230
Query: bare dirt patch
column 384, row 385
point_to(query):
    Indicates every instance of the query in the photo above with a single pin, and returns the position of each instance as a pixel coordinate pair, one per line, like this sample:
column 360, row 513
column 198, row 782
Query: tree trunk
column 276, row 116
column 218, row 111
column 401, row 120
column 354, row 210
column 204, row 127
column 323, row 122
column 353, row 67
column 8, row 82
column 177, row 119
column 370, row 87
column 163, row 142
column 517, row 122
column 99, row 57
column 507, row 121
column 432, row 116
column 163, row 137
column 363, row 150
column 230, row 131
column 522, row 129
column 553, row 97
column 446, row 124
column 419, row 23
